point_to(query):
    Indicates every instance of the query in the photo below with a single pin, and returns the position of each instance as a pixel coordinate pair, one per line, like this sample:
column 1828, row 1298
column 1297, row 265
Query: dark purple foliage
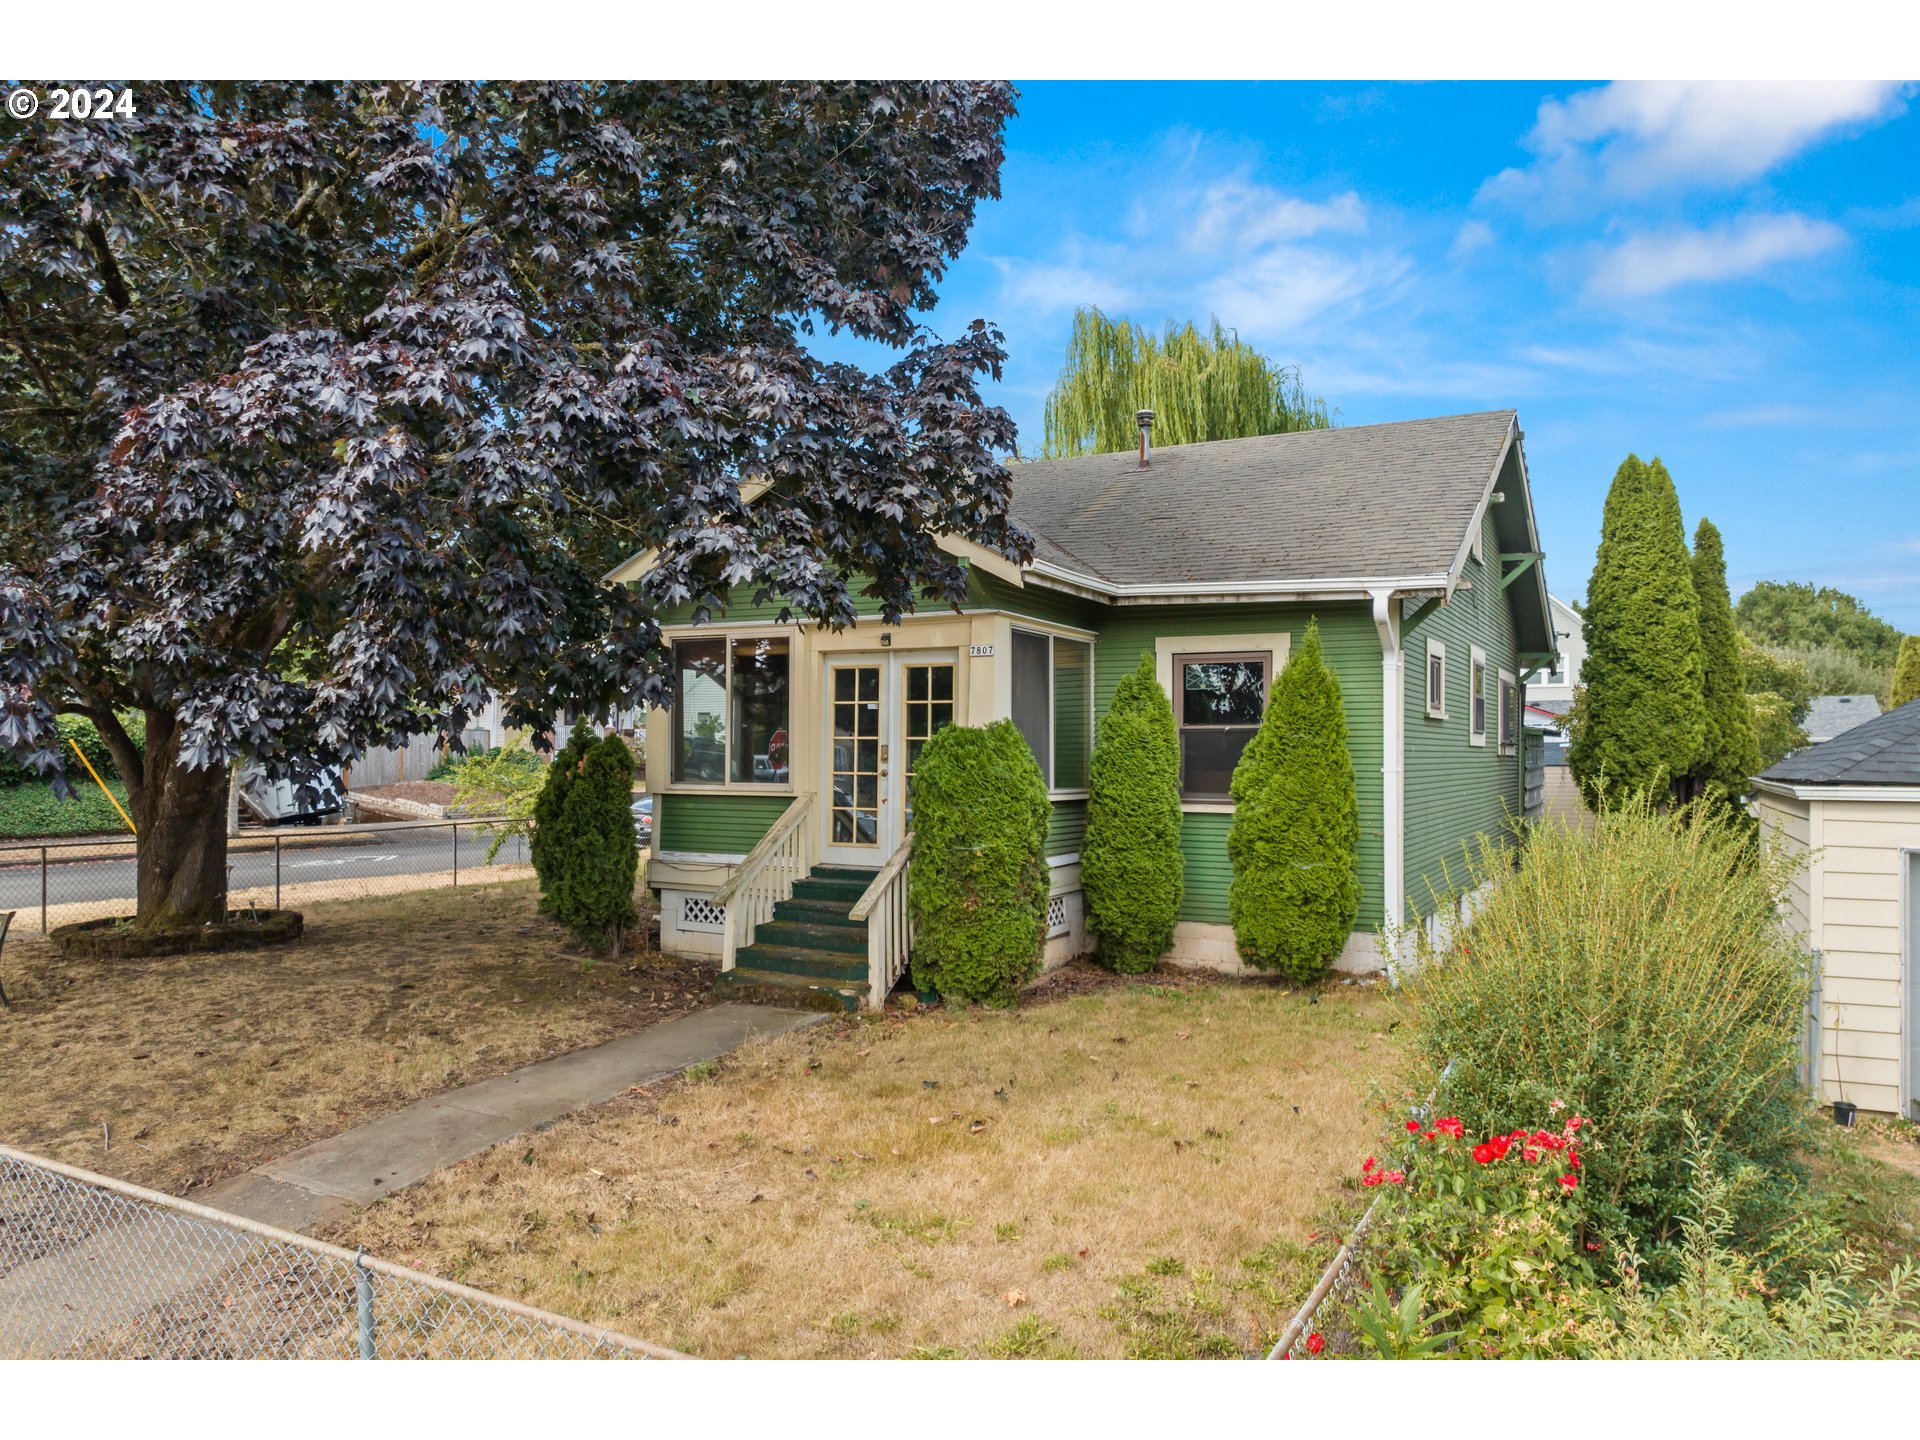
column 324, row 408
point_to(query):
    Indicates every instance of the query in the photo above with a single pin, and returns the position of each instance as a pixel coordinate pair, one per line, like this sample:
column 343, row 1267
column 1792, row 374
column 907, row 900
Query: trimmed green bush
column 1132, row 871
column 549, row 842
column 1295, row 838
column 1644, row 721
column 977, row 882
column 592, row 892
column 14, row 771
column 1906, row 672
column 1730, row 757
column 1634, row 971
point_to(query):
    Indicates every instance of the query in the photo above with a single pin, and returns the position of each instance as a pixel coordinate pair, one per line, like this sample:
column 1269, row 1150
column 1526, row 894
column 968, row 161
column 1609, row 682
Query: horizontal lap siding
column 1457, row 791
column 1352, row 648
column 1066, row 828
column 717, row 824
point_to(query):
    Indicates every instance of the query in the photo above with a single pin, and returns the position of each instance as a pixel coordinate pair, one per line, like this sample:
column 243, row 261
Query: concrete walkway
column 322, row 1183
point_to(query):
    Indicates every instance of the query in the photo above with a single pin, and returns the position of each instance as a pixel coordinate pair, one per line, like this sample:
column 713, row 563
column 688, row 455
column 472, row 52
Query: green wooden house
column 783, row 768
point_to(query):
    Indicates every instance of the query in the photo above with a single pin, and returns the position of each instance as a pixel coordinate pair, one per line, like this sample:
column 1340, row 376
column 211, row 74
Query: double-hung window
column 1477, row 698
column 1436, row 680
column 1053, row 704
column 730, row 715
column 1218, row 702
column 1509, row 714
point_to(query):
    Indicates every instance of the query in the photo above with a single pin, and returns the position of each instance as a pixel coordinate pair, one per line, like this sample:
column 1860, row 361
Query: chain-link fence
column 64, row 881
column 91, row 1268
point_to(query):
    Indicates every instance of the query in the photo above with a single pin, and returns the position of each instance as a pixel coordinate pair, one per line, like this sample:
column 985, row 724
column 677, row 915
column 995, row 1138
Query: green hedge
column 1132, row 870
column 549, row 841
column 14, row 771
column 1295, row 839
column 977, row 883
column 31, row 811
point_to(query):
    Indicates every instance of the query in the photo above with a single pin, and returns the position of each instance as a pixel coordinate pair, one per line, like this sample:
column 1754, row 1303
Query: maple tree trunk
column 181, row 818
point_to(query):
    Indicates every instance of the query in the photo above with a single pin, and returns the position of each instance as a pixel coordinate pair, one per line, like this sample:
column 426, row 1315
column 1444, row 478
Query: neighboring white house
column 1553, row 691
column 1832, row 715
column 1851, row 808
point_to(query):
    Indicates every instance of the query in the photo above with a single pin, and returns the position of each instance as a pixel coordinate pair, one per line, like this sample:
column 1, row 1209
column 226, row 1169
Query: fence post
column 276, row 872
column 363, row 1285
column 456, row 853
column 43, row 889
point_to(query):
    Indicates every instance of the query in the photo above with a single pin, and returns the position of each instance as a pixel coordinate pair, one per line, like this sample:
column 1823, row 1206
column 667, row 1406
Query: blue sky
column 1726, row 276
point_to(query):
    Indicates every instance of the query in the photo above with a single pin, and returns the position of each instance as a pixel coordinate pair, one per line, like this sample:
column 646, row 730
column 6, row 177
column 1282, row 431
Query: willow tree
column 1208, row 385
column 328, row 405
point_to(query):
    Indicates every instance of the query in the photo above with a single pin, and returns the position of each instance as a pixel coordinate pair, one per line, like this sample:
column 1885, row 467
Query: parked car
column 643, row 820
column 280, row 802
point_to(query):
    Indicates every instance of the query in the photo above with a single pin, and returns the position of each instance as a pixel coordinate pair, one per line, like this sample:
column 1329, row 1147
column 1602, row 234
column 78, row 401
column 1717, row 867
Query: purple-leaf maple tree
column 325, row 409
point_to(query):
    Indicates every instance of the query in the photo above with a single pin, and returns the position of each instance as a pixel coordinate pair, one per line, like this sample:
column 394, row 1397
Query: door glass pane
column 1033, row 695
column 758, row 714
column 855, row 782
column 699, row 709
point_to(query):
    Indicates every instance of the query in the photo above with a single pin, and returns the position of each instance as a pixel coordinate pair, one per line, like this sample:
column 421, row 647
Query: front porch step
column 845, row 872
column 835, row 966
column 773, row 987
column 818, row 887
column 819, row 912
column 791, row 935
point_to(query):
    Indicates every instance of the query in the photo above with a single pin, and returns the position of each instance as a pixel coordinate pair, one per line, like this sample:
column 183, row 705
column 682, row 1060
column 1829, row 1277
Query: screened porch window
column 1053, row 704
column 730, row 711
column 1220, row 701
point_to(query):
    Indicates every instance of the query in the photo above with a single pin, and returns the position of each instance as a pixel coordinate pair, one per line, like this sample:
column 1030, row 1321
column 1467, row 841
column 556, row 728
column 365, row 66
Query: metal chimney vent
column 1145, row 417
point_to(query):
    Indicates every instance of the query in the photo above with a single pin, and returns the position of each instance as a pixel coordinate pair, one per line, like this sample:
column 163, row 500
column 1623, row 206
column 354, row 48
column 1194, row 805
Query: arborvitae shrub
column 1295, row 839
column 1131, row 868
column 592, row 890
column 1730, row 757
column 977, row 882
column 1636, row 972
column 548, row 843
column 1906, row 672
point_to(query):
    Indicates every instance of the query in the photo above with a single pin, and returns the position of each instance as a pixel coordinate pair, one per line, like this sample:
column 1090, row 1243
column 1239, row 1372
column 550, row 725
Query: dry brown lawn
column 203, row 1065
column 1148, row 1169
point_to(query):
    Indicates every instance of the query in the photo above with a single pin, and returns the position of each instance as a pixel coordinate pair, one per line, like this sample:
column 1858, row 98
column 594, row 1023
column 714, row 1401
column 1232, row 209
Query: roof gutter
column 1813, row 790
column 1337, row 587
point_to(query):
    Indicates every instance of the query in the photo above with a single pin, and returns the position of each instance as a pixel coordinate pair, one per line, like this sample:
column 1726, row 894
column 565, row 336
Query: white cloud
column 1285, row 287
column 1633, row 137
column 1235, row 214
column 1472, row 236
column 1650, row 263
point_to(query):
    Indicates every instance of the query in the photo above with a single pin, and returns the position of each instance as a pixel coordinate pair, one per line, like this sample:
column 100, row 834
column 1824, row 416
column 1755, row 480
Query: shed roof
column 1883, row 751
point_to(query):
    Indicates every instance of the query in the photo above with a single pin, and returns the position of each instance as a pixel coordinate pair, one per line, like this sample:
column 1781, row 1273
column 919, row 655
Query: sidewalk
column 321, row 1183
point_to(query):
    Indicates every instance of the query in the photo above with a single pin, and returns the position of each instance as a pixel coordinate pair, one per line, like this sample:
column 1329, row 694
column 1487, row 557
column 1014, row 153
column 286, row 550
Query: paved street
column 303, row 861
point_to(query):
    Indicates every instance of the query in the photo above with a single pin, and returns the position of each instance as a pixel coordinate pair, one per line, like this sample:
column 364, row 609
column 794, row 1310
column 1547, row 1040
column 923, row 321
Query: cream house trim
column 1277, row 642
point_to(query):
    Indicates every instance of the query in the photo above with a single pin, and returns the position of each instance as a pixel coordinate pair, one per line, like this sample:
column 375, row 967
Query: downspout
column 1393, row 771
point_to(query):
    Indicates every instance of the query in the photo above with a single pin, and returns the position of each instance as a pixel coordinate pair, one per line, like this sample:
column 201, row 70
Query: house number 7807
column 979, row 650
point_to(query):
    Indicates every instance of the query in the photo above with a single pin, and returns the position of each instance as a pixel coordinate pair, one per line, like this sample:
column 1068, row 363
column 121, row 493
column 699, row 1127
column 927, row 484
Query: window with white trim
column 1053, row 704
column 1218, row 702
column 1436, row 680
column 1477, row 698
column 1509, row 713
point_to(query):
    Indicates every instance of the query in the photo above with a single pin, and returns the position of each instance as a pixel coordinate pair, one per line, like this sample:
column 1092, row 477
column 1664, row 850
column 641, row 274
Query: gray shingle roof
column 1884, row 751
column 1832, row 715
column 1369, row 501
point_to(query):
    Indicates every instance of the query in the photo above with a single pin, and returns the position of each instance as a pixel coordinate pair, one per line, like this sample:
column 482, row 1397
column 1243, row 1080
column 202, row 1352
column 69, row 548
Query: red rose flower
column 1483, row 1153
column 1315, row 1344
column 1568, row 1182
column 1451, row 1127
column 1530, row 1153
column 1413, row 1127
column 1366, row 1165
column 1395, row 1177
column 1500, row 1144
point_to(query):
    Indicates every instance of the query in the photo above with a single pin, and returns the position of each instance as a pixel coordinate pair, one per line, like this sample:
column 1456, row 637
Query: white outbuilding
column 1851, row 808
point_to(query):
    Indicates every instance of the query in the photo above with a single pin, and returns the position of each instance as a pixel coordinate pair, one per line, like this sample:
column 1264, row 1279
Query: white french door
column 880, row 710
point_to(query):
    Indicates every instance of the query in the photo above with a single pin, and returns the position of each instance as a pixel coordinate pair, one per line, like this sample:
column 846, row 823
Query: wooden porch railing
column 786, row 853
column 889, row 927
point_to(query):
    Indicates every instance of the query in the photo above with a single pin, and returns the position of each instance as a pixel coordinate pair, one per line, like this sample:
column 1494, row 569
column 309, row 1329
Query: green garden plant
column 1906, row 672
column 505, row 782
column 1295, row 836
column 1132, row 870
column 1637, row 971
column 593, row 874
column 1730, row 756
column 549, row 841
column 1643, row 723
column 977, row 882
